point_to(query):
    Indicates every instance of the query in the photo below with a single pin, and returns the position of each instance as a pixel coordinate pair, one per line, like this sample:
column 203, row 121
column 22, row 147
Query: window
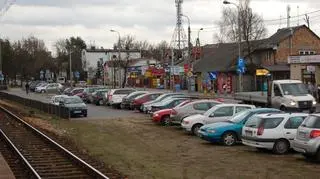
column 312, row 122
column 242, row 108
column 276, row 90
column 307, row 52
column 294, row 122
column 211, row 104
column 253, row 122
column 201, row 106
column 223, row 111
column 270, row 123
column 123, row 92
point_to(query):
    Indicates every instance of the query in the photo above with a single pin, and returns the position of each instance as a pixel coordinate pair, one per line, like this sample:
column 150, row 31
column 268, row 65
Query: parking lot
column 139, row 148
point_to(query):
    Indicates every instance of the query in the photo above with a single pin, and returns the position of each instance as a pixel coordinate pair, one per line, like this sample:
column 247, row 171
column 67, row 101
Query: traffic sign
column 262, row 72
column 241, row 66
column 76, row 74
column 213, row 75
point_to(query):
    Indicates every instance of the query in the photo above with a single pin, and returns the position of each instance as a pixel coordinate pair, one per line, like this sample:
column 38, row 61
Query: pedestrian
column 27, row 87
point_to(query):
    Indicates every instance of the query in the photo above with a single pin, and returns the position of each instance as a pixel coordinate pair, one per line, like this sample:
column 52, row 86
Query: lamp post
column 119, row 58
column 189, row 51
column 70, row 66
column 198, row 39
column 239, row 42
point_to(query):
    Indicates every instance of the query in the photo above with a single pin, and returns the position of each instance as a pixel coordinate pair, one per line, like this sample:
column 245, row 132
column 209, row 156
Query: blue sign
column 213, row 75
column 77, row 74
column 241, row 66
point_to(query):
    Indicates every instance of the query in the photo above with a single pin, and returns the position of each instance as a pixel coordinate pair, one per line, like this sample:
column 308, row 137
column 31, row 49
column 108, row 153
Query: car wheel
column 42, row 91
column 165, row 121
column 85, row 115
column 195, row 129
column 283, row 108
column 229, row 139
column 281, row 146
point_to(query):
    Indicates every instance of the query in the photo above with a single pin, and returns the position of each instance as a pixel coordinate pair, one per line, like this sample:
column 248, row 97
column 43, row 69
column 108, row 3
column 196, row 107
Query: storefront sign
column 304, row 59
column 261, row 72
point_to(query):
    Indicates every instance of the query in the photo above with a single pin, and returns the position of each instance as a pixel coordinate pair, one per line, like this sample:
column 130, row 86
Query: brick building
column 273, row 53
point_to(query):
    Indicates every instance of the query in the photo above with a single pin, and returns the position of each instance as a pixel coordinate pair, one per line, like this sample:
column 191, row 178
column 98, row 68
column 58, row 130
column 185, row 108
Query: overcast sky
column 152, row 20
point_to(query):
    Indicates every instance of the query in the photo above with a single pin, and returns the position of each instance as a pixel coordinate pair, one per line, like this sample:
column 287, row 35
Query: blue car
column 229, row 133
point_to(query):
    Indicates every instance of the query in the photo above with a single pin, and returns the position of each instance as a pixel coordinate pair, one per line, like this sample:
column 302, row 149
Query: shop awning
column 279, row 67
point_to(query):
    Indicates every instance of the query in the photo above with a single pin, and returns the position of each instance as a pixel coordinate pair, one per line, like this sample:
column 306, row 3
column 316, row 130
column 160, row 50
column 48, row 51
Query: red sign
column 156, row 71
column 186, row 68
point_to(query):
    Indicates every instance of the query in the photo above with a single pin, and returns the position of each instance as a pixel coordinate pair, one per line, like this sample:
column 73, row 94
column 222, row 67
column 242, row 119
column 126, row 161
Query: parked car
column 41, row 87
column 57, row 99
column 163, row 116
column 168, row 104
column 115, row 96
column 307, row 140
column 49, row 88
column 147, row 106
column 140, row 100
column 67, row 91
column 218, row 113
column 75, row 105
column 90, row 91
column 34, row 84
column 125, row 104
column 76, row 91
column 194, row 107
column 229, row 132
column 98, row 96
column 272, row 131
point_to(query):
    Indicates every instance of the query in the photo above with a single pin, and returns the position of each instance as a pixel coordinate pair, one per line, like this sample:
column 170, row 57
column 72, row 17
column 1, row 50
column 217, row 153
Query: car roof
column 263, row 109
column 274, row 115
column 230, row 104
column 286, row 81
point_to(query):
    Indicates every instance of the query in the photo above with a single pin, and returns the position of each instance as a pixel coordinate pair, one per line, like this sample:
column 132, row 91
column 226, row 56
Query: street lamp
column 239, row 42
column 198, row 35
column 119, row 58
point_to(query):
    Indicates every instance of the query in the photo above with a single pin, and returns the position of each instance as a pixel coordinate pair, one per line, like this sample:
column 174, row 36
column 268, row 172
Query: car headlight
column 211, row 131
column 186, row 122
column 293, row 103
column 156, row 115
column 314, row 102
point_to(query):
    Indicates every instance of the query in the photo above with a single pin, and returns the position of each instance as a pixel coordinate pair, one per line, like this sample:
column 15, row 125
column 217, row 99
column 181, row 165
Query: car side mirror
column 211, row 115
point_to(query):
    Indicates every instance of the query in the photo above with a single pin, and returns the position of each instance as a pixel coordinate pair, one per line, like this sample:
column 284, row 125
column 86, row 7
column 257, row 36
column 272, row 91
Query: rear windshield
column 123, row 91
column 312, row 122
column 267, row 123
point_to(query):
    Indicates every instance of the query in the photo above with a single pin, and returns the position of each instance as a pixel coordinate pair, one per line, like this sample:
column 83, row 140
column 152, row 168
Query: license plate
column 248, row 133
column 77, row 112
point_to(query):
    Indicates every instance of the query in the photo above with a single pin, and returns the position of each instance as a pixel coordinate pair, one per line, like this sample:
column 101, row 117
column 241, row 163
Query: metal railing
column 58, row 111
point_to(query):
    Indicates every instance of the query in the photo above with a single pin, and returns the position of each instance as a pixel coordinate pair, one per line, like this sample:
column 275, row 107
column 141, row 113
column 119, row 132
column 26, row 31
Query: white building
column 90, row 58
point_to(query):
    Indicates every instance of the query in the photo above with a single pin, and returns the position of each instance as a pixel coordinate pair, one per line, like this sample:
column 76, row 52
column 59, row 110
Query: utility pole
column 189, row 52
column 172, row 71
column 70, row 66
column 119, row 58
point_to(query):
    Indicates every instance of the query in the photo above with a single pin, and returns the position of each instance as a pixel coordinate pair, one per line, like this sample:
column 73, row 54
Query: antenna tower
column 179, row 38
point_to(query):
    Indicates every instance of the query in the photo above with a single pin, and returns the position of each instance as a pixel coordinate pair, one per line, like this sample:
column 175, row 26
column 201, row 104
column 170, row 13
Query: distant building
column 90, row 58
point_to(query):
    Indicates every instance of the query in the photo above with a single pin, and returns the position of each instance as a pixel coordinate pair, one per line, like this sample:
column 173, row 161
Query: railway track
column 38, row 155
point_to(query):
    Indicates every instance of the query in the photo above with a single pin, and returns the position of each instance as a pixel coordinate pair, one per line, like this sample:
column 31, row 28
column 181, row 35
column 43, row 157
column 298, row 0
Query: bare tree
column 251, row 24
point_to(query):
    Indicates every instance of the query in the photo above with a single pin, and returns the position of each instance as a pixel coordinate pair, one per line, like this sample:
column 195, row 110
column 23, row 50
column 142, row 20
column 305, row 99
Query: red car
column 163, row 116
column 137, row 102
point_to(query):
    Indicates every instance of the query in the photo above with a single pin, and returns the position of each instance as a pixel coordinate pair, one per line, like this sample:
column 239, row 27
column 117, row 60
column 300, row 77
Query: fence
column 59, row 111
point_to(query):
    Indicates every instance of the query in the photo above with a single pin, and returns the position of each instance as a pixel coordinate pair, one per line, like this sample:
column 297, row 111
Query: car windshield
column 72, row 100
column 240, row 116
column 294, row 89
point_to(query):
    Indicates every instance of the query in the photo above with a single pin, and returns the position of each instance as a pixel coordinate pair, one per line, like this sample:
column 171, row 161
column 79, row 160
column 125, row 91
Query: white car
column 115, row 96
column 274, row 132
column 41, row 88
column 51, row 87
column 57, row 99
column 218, row 113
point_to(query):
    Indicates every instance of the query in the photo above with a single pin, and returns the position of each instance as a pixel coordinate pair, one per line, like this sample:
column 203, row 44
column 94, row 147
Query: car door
column 49, row 88
column 221, row 114
column 291, row 126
